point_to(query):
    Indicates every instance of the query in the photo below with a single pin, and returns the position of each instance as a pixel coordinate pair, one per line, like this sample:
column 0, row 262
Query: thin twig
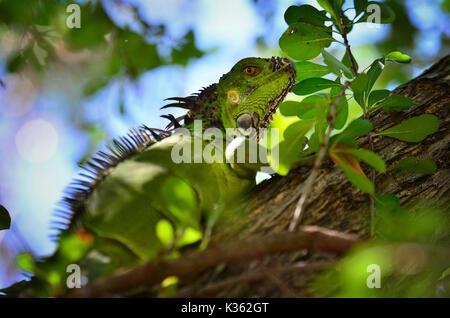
column 347, row 46
column 312, row 238
column 307, row 186
column 366, row 117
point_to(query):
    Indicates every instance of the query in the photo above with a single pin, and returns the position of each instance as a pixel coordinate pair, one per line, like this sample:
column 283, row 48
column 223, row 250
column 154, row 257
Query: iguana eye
column 250, row 70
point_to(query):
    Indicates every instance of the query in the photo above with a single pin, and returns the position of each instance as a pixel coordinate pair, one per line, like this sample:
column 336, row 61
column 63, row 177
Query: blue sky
column 42, row 145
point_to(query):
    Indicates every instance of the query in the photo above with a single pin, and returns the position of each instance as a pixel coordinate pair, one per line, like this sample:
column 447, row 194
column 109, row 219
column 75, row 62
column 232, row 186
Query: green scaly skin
column 113, row 221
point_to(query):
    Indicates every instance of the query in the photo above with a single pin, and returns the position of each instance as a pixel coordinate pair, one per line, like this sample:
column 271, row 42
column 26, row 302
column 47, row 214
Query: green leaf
column 14, row 62
column 190, row 236
column 342, row 108
column 445, row 273
column 414, row 129
column 114, row 65
column 305, row 108
column 317, row 137
column 346, row 61
column 305, row 13
column 398, row 57
column 387, row 203
column 368, row 157
column 25, row 262
column 358, row 180
column 95, row 85
column 298, row 129
column 413, row 164
column 308, row 69
column 96, row 24
column 312, row 85
column 313, row 141
column 186, row 50
column 336, row 66
column 165, row 232
column 360, row 6
column 373, row 73
column 377, row 95
column 445, row 6
column 180, row 199
column 73, row 246
column 342, row 114
column 303, row 41
column 356, row 128
column 130, row 42
column 421, row 225
column 397, row 102
column 358, row 86
column 332, row 6
column 320, row 115
column 291, row 108
column 290, row 147
column 387, row 15
column 5, row 218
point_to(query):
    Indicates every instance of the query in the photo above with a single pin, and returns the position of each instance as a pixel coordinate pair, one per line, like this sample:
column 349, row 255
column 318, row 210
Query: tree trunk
column 333, row 202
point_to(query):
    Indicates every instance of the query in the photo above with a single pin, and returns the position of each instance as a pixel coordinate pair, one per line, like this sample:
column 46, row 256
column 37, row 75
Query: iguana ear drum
column 233, row 96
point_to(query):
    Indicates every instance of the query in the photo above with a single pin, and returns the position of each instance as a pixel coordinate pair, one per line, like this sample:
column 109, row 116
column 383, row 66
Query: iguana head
column 246, row 97
column 250, row 93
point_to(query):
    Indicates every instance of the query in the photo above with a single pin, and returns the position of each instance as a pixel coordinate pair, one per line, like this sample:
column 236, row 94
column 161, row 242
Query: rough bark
column 334, row 203
column 311, row 238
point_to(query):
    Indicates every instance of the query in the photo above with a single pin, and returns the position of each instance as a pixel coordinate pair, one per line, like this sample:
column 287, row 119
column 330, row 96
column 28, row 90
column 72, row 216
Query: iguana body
column 111, row 215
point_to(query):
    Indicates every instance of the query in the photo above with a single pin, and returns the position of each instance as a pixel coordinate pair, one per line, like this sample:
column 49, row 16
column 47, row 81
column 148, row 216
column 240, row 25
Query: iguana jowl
column 117, row 205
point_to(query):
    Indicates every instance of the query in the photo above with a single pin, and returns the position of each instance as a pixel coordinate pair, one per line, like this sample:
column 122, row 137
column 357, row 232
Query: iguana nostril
column 244, row 121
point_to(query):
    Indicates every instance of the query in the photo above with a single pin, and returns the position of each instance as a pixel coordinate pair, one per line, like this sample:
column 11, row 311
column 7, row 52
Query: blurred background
column 64, row 92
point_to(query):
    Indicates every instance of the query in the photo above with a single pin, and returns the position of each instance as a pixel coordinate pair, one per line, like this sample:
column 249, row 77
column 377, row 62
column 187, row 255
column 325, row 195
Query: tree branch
column 347, row 46
column 312, row 238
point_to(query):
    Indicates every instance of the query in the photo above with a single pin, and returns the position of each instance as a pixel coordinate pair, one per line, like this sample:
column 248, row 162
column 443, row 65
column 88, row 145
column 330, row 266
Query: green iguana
column 118, row 213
